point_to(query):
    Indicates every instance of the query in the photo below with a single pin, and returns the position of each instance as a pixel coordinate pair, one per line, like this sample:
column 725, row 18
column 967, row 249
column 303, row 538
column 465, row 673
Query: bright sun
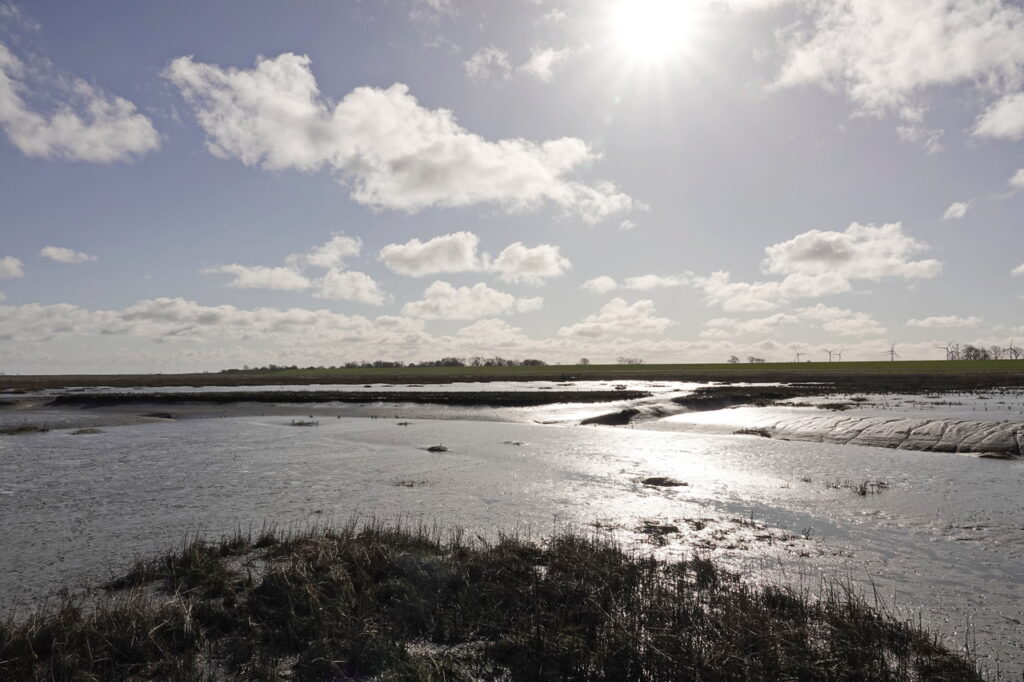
column 651, row 31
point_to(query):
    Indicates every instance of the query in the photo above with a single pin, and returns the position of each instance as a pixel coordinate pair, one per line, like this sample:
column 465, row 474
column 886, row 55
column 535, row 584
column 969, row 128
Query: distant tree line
column 969, row 352
column 954, row 351
column 474, row 361
column 380, row 364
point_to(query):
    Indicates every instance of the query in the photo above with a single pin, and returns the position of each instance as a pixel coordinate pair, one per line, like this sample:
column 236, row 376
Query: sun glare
column 651, row 31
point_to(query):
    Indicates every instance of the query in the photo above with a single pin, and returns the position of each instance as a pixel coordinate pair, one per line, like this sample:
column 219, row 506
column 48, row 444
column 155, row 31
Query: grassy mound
column 386, row 603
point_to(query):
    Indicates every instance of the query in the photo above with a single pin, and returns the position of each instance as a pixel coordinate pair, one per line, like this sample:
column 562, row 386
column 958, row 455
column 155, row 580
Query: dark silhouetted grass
column 23, row 428
column 386, row 603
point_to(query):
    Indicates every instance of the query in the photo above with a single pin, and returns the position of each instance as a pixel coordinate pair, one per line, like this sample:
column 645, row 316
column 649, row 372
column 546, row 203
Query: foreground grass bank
column 387, row 603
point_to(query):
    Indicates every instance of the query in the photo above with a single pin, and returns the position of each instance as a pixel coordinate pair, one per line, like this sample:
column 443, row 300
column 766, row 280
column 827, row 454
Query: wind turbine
column 839, row 354
column 1013, row 351
column 798, row 354
column 892, row 353
column 830, row 352
column 948, row 348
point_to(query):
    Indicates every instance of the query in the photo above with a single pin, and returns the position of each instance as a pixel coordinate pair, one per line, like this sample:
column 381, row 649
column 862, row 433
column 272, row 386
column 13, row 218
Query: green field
column 917, row 374
column 667, row 371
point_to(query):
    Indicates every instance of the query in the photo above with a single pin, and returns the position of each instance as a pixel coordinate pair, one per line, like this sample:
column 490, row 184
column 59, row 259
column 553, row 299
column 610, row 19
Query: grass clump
column 756, row 431
column 23, row 428
column 663, row 482
column 388, row 603
column 864, row 488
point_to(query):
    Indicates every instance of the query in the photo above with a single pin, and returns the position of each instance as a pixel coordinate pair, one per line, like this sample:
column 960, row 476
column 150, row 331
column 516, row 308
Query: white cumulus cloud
column 838, row 321
column 945, row 321
column 394, row 153
column 64, row 255
column 442, row 301
column 491, row 334
column 956, row 210
column 11, row 267
column 818, row 263
column 842, row 321
column 331, row 253
column 726, row 327
column 647, row 282
column 262, row 277
column 1003, row 119
column 337, row 284
column 488, row 63
column 87, row 125
column 1016, row 180
column 456, row 252
column 600, row 285
column 1016, row 272
column 529, row 265
column 720, row 290
column 883, row 53
column 342, row 285
column 543, row 62
column 617, row 317
column 860, row 252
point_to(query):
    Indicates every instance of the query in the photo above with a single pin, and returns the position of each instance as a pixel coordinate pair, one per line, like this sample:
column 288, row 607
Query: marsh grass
column 756, row 431
column 23, row 428
column 864, row 488
column 390, row 603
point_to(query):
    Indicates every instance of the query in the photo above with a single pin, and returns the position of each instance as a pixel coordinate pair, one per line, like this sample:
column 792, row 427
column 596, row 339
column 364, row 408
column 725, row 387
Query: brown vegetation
column 387, row 603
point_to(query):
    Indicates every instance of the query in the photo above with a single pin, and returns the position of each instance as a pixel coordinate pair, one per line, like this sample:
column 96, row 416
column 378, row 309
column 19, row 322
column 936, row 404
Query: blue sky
column 192, row 186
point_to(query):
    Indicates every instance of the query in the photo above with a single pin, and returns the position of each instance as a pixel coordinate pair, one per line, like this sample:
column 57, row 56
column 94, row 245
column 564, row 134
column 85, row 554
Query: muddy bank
column 613, row 419
column 481, row 398
column 722, row 397
column 1003, row 439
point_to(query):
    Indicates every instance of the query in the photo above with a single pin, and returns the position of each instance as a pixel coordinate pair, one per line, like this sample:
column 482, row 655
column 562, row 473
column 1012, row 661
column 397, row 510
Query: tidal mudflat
column 935, row 535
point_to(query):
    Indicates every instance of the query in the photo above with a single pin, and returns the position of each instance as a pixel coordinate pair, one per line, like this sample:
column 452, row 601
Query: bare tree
column 974, row 353
column 733, row 359
column 1012, row 352
column 583, row 361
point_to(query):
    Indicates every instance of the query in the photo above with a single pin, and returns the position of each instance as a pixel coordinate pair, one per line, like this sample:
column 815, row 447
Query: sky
column 192, row 186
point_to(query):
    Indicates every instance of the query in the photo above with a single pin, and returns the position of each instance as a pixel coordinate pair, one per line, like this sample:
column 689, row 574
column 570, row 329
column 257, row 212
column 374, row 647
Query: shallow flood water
column 945, row 538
